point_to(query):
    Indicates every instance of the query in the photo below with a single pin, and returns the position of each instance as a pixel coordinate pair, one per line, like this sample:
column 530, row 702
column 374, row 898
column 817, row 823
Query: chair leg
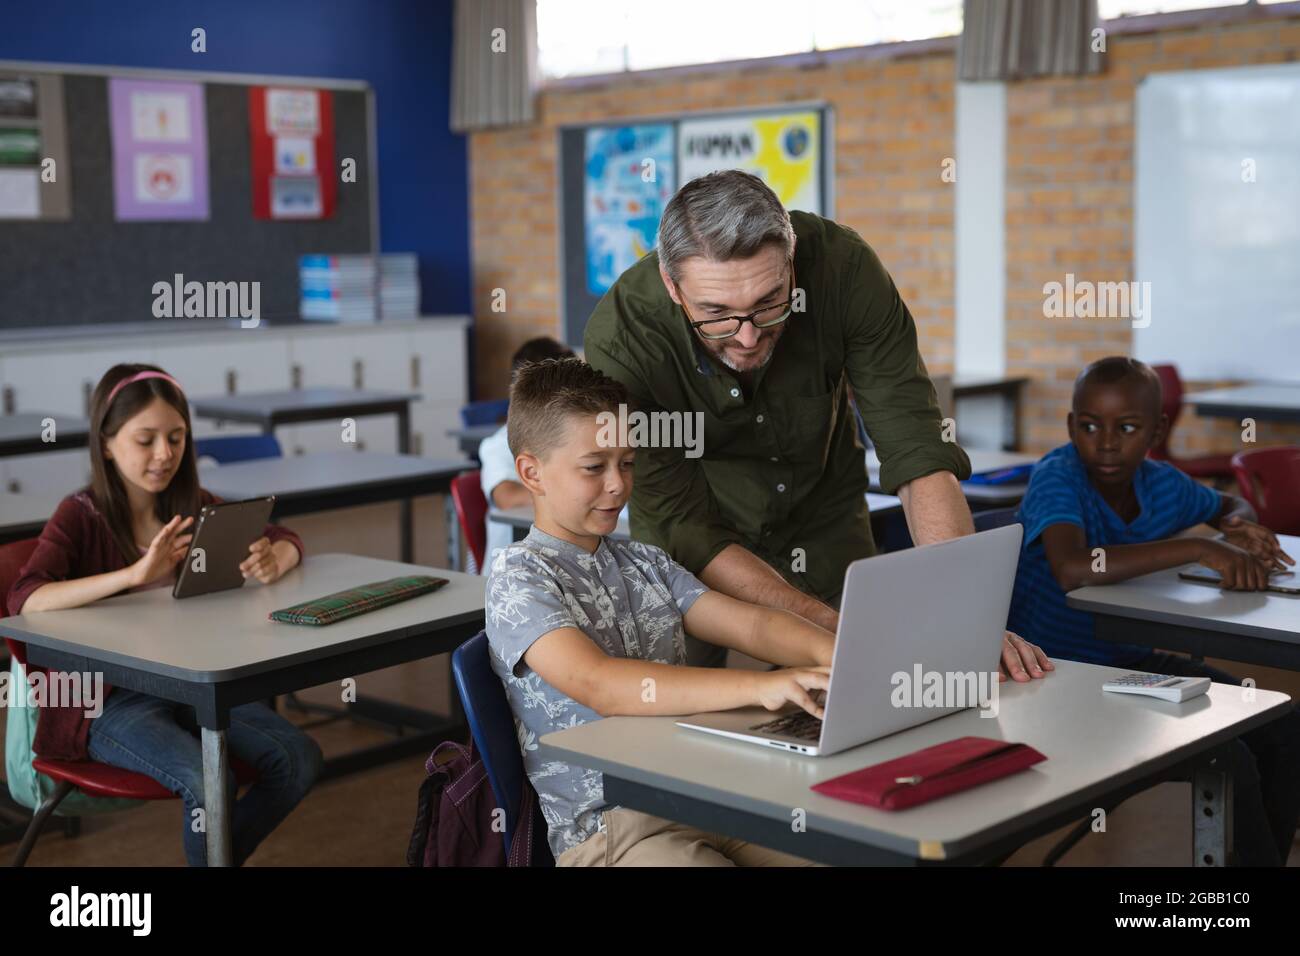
column 48, row 806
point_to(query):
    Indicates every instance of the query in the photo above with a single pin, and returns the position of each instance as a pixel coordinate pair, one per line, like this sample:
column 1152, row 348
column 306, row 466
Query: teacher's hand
column 1021, row 660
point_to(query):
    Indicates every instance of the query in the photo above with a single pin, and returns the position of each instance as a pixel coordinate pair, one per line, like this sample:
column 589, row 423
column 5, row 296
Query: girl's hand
column 792, row 685
column 261, row 562
column 168, row 547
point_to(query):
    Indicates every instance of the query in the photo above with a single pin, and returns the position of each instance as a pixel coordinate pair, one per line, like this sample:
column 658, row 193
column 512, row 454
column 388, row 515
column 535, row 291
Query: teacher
column 759, row 318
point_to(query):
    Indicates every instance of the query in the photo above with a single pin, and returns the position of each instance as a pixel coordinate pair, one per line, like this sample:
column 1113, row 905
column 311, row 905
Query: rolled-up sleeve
column 891, row 386
column 672, row 505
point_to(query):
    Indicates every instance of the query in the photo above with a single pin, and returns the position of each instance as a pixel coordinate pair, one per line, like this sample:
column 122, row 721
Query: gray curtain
column 493, row 87
column 1011, row 39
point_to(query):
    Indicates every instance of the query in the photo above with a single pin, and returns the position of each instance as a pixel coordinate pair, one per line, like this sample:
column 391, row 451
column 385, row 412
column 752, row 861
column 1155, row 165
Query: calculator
column 1164, row 686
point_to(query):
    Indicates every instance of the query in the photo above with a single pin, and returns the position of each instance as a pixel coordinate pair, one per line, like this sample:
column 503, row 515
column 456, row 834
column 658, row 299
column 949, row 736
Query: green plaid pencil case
column 359, row 600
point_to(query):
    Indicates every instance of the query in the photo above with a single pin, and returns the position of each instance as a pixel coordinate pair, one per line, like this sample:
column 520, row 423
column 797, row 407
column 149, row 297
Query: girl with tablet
column 128, row 530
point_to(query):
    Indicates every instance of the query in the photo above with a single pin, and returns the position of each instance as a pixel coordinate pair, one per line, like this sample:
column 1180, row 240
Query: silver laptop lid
column 939, row 609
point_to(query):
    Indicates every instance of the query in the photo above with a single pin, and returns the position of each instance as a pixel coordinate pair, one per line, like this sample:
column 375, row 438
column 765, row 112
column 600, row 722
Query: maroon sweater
column 76, row 543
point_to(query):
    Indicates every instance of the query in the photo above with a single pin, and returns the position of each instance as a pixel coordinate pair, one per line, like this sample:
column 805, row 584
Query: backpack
column 455, row 814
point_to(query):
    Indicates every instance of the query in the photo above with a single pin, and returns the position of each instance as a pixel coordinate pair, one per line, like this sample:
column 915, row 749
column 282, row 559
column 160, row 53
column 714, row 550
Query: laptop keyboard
column 799, row 724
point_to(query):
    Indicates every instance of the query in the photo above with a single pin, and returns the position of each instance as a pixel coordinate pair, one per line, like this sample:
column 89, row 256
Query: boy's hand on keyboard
column 1257, row 540
column 793, row 685
column 1238, row 569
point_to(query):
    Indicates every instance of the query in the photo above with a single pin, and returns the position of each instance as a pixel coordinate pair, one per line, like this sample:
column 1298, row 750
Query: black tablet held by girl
column 222, row 535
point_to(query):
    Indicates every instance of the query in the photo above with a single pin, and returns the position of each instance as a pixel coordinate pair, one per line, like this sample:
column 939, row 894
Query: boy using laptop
column 1098, row 511
column 582, row 626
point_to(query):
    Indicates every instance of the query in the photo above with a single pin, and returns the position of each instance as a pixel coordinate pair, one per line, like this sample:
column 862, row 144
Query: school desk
column 21, row 433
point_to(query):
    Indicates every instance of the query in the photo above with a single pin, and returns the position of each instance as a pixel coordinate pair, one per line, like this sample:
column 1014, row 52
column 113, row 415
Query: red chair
column 91, row 778
column 471, row 512
column 1203, row 466
column 1270, row 480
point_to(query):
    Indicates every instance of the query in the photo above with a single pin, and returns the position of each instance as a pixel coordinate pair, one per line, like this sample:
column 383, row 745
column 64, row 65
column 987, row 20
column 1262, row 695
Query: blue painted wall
column 401, row 47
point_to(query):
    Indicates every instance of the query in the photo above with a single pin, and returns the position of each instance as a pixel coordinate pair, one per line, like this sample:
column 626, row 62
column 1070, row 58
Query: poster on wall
column 628, row 179
column 782, row 148
column 34, row 172
column 292, row 140
column 160, row 150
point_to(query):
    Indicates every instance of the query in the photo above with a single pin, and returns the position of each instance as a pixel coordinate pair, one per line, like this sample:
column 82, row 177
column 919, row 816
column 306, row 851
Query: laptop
column 940, row 608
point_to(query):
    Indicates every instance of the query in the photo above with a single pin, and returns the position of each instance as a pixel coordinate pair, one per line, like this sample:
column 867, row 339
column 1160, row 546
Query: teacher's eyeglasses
column 767, row 317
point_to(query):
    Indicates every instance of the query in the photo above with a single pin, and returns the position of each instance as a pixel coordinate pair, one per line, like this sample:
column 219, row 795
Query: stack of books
column 399, row 286
column 338, row 288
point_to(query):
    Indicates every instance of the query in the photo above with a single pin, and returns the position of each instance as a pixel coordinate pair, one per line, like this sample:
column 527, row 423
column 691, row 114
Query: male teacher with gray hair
column 758, row 318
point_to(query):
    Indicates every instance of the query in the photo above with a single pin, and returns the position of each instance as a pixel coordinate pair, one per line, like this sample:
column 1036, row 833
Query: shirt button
column 735, row 393
column 759, row 419
column 780, row 487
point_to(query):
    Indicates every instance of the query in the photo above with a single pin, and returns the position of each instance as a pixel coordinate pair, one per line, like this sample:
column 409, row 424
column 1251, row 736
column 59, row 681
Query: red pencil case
column 931, row 773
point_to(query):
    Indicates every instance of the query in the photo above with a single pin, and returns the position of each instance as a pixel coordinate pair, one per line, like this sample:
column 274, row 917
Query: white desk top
column 1093, row 742
column 1163, row 597
column 222, row 636
column 321, row 471
column 1250, row 396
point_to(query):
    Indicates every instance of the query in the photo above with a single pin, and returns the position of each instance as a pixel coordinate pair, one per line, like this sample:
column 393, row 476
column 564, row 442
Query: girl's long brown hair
column 180, row 497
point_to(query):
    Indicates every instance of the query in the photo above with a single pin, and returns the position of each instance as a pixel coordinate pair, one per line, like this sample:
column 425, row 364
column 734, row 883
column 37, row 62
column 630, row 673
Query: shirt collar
column 539, row 537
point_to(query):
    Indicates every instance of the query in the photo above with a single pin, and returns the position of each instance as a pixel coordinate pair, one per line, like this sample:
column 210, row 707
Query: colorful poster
column 629, row 178
column 783, row 149
column 35, row 175
column 160, row 150
column 291, row 134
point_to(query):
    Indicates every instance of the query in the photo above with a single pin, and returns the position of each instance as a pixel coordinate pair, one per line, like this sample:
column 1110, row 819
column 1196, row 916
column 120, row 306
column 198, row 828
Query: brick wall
column 1068, row 194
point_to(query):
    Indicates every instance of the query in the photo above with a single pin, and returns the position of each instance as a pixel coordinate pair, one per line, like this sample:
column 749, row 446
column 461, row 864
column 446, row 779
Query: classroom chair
column 1269, row 479
column 91, row 778
column 471, row 512
column 493, row 727
column 227, row 449
column 1213, row 467
column 484, row 413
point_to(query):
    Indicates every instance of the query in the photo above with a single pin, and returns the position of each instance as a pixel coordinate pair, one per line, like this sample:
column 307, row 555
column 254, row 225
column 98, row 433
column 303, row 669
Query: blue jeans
column 1265, row 766
column 156, row 737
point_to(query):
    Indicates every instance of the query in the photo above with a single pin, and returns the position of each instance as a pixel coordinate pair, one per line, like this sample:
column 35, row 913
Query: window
column 578, row 37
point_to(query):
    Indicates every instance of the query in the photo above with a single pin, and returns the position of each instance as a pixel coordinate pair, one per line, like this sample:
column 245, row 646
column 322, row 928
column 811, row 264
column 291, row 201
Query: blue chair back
column 493, row 725
column 484, row 413
column 988, row 520
column 227, row 449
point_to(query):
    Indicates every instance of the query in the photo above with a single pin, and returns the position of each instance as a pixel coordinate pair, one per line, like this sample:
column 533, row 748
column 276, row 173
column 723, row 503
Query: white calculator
column 1164, row 686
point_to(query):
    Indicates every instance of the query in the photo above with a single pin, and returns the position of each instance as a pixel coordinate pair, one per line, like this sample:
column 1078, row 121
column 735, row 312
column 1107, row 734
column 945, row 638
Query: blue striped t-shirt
column 1060, row 493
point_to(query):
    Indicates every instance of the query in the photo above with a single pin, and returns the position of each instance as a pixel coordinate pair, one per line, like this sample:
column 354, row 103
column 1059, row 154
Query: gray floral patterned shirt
column 629, row 598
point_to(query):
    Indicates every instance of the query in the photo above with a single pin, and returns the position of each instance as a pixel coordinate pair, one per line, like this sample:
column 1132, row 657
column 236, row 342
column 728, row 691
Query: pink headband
column 139, row 377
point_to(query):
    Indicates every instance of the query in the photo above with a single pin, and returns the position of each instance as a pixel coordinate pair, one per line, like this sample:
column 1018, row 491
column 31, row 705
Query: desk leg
column 216, row 799
column 407, row 516
column 1211, row 813
column 453, row 531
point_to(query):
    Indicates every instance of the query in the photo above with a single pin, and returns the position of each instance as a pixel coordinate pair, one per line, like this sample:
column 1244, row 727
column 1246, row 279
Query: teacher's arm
column 935, row 507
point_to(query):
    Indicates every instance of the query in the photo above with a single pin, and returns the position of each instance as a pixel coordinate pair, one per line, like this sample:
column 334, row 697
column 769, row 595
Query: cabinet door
column 439, row 362
column 59, row 382
column 369, row 357
column 430, row 422
column 252, row 362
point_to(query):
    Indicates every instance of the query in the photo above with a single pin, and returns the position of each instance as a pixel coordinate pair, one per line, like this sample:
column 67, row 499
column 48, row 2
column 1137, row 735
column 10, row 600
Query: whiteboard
column 1222, row 252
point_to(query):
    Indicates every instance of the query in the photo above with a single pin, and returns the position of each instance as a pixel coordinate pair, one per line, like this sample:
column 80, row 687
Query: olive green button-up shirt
column 782, row 472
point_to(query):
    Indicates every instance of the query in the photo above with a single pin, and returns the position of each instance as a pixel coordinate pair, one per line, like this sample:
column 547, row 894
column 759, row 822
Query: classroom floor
column 365, row 819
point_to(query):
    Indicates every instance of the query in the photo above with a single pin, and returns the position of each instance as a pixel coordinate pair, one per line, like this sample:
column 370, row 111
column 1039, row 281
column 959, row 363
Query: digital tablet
column 1282, row 582
column 222, row 534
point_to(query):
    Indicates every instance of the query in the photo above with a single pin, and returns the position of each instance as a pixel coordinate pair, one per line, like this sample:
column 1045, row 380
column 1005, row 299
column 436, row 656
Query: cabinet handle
column 360, row 445
column 358, row 373
column 15, row 486
column 232, row 381
column 417, row 443
column 415, row 371
column 295, row 376
column 87, row 389
column 9, row 399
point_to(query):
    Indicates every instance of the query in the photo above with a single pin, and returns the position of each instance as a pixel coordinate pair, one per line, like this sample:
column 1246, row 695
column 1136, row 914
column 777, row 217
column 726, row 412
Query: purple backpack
column 454, row 817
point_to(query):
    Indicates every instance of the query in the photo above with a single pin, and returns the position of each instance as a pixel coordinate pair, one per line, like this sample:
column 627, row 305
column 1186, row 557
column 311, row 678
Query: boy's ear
column 1161, row 430
column 530, row 472
column 1069, row 425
